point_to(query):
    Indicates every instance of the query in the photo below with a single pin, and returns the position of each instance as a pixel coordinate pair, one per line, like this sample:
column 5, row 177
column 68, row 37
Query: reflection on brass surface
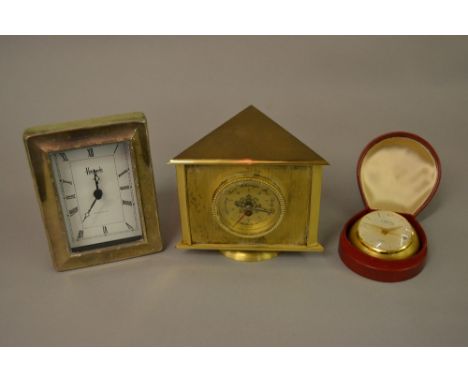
column 249, row 256
column 42, row 140
column 249, row 186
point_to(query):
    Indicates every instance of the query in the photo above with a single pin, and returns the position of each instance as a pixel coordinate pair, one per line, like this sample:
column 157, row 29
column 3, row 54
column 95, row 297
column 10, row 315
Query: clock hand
column 394, row 234
column 90, row 208
column 383, row 229
column 386, row 231
column 97, row 195
column 373, row 225
column 392, row 229
column 96, row 179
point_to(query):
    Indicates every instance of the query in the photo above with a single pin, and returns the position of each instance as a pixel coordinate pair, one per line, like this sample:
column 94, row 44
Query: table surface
column 333, row 93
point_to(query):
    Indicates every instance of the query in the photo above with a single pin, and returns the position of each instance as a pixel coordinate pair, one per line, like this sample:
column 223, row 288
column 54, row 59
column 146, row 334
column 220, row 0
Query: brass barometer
column 249, row 189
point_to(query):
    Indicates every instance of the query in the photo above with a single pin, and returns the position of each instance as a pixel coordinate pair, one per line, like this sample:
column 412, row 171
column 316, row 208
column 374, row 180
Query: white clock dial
column 385, row 231
column 97, row 195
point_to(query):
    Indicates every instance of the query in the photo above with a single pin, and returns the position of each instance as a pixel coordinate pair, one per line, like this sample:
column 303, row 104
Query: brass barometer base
column 250, row 256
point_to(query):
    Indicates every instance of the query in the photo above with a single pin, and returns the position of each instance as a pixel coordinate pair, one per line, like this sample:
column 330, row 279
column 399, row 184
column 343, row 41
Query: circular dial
column 248, row 207
column 385, row 232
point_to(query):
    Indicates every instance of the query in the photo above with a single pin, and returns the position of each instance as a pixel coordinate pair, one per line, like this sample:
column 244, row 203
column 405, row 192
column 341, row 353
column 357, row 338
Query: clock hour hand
column 373, row 225
column 393, row 228
column 96, row 179
column 383, row 229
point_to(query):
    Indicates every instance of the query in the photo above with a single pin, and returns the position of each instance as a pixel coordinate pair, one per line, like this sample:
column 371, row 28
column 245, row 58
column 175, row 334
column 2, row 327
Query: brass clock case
column 131, row 129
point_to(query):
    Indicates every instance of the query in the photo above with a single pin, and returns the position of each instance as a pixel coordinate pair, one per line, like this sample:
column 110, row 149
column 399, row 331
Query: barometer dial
column 248, row 207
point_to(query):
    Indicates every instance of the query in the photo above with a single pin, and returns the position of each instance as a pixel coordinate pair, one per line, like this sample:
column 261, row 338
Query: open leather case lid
column 398, row 172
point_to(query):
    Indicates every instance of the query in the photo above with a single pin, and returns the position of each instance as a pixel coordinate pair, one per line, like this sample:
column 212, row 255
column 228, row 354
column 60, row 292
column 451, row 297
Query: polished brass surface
column 404, row 251
column 294, row 183
column 42, row 140
column 249, row 137
column 398, row 174
column 316, row 247
column 249, row 257
column 252, row 148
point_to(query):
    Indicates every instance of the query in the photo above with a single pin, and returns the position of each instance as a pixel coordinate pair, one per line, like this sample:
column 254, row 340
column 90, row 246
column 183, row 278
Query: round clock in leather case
column 398, row 174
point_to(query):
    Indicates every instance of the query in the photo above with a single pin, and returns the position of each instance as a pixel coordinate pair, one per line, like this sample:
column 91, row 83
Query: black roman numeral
column 116, row 147
column 68, row 197
column 123, row 172
column 73, row 211
column 127, row 203
column 124, row 187
column 90, row 152
column 130, row 227
column 104, row 229
column 80, row 235
column 64, row 156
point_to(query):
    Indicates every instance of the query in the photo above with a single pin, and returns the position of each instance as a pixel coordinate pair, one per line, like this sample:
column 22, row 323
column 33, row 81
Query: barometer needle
column 238, row 220
column 262, row 210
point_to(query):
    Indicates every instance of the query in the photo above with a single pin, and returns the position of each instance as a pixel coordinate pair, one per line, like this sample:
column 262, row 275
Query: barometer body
column 249, row 189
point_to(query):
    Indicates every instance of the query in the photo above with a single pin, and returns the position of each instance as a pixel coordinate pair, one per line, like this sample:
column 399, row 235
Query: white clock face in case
column 97, row 194
column 385, row 231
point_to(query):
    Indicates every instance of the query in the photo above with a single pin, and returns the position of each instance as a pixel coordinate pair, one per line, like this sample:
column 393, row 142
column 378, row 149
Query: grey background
column 333, row 93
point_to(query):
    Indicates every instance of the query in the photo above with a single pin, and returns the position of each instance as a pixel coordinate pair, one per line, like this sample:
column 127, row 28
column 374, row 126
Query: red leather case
column 390, row 270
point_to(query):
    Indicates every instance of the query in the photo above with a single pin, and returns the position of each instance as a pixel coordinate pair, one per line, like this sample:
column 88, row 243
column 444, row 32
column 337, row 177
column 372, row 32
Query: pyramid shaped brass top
column 249, row 137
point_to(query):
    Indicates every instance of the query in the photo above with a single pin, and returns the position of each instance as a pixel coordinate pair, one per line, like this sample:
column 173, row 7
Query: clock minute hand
column 89, row 211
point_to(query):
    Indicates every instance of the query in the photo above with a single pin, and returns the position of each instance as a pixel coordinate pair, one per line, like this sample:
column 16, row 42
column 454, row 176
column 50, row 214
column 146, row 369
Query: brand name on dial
column 90, row 171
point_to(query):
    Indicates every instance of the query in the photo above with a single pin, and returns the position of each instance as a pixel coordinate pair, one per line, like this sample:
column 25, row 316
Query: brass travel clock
column 94, row 180
column 249, row 189
column 398, row 175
